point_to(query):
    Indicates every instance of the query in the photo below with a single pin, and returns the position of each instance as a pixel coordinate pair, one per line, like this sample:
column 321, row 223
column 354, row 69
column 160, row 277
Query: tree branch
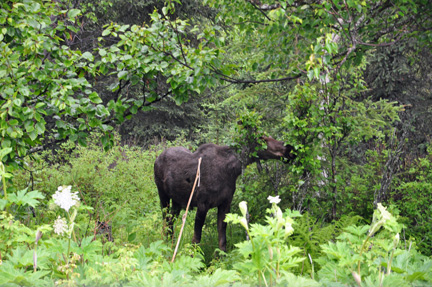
column 264, row 7
column 236, row 81
column 256, row 7
column 178, row 38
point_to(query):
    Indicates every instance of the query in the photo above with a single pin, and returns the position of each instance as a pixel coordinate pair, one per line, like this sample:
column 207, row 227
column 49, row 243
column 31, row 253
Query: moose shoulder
column 175, row 171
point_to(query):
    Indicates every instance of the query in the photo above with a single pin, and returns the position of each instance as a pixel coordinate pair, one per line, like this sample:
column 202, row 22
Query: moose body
column 175, row 171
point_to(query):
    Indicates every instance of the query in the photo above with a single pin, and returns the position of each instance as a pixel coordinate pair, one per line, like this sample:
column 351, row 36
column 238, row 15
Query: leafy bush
column 413, row 198
column 117, row 184
column 376, row 259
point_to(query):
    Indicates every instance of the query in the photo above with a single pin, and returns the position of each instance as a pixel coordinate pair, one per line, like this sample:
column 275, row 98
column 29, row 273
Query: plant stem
column 390, row 262
column 4, row 187
column 3, row 171
column 361, row 252
column 250, row 238
column 265, row 281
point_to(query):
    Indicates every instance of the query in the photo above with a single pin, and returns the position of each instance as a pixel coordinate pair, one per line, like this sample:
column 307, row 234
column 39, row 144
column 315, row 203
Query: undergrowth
column 112, row 234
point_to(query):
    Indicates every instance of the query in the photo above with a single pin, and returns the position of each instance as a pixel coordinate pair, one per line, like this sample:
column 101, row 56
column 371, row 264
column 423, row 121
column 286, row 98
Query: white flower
column 65, row 198
column 397, row 237
column 396, row 240
column 244, row 223
column 274, row 199
column 60, row 226
column 384, row 213
column 243, row 208
column 288, row 227
column 278, row 212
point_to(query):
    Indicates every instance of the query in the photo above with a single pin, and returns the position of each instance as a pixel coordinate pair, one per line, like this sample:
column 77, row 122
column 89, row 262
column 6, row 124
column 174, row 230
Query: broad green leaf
column 73, row 13
column 23, row 197
column 122, row 74
column 88, row 56
column 106, row 33
column 4, row 152
column 94, row 98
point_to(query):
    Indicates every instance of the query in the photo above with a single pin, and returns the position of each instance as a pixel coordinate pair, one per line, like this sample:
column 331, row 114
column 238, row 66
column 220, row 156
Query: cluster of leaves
column 43, row 84
column 413, row 200
column 46, row 86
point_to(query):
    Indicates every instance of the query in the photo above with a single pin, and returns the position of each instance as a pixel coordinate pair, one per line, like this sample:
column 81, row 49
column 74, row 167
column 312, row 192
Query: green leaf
column 3, row 203
column 82, row 142
column 94, row 98
column 40, row 105
column 124, row 28
column 106, row 33
column 73, row 13
column 4, row 152
column 23, row 197
column 132, row 237
column 122, row 74
column 88, row 56
column 316, row 71
column 310, row 75
column 33, row 134
column 102, row 52
column 13, row 122
column 40, row 128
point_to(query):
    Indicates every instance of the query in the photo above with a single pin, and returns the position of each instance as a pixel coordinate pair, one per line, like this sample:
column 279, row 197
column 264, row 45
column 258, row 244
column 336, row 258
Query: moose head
column 275, row 150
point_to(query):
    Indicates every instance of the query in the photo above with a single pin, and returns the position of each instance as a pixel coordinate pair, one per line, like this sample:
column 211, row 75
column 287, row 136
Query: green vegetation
column 91, row 92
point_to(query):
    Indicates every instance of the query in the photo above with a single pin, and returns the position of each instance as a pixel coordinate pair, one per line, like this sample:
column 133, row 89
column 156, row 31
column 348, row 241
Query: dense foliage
column 92, row 91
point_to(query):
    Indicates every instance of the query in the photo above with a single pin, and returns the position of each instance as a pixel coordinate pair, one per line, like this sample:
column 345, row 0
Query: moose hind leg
column 165, row 203
column 222, row 225
column 175, row 211
column 199, row 223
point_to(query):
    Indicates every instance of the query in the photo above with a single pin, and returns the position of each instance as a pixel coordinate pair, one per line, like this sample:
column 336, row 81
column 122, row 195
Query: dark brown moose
column 175, row 170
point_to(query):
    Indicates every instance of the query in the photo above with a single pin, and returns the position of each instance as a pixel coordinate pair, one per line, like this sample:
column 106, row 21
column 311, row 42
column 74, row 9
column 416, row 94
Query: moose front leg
column 222, row 225
column 199, row 223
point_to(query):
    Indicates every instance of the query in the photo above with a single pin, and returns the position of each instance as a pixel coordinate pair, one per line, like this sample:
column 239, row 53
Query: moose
column 175, row 171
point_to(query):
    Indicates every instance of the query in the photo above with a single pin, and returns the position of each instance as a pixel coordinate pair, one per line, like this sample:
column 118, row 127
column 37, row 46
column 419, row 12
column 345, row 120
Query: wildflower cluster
column 60, row 226
column 277, row 214
column 65, row 199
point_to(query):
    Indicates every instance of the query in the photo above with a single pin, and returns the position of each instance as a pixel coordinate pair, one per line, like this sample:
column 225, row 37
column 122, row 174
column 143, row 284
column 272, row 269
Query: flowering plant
column 267, row 252
column 66, row 199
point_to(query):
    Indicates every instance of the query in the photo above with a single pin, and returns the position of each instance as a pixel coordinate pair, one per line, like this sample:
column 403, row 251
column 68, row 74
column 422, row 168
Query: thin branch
column 174, row 57
column 178, row 38
column 262, row 12
column 146, row 104
column 382, row 44
column 238, row 81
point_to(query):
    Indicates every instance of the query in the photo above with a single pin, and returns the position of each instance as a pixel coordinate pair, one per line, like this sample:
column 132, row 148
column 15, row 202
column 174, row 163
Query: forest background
column 92, row 91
